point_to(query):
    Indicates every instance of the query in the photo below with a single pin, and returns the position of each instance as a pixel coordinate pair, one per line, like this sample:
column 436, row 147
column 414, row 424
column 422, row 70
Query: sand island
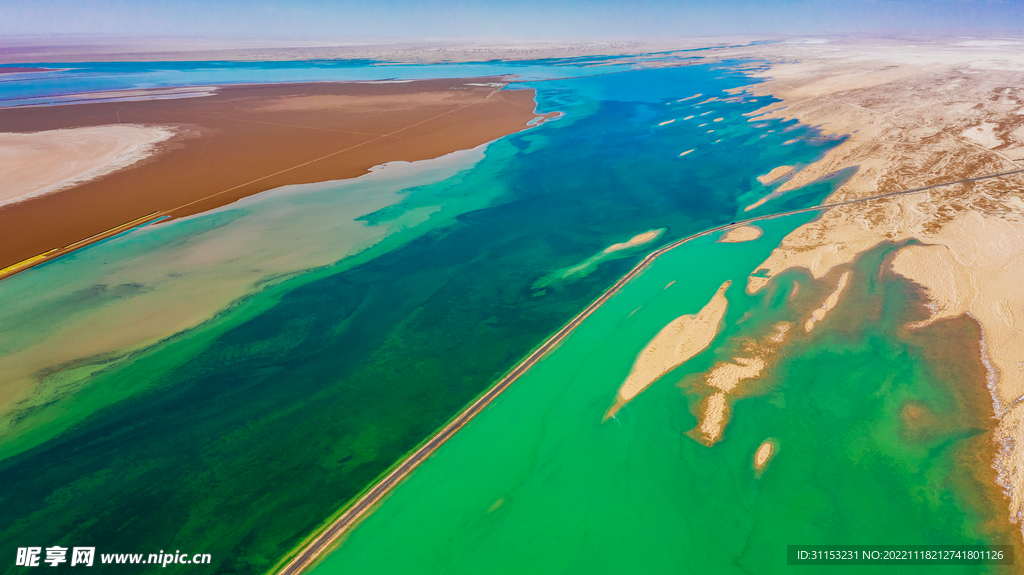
column 741, row 234
column 674, row 345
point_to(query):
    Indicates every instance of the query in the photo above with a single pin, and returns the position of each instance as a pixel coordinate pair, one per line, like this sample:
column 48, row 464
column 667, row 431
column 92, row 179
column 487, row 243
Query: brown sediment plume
column 830, row 302
column 978, row 270
column 680, row 340
column 742, row 234
column 170, row 287
column 243, row 140
column 951, row 348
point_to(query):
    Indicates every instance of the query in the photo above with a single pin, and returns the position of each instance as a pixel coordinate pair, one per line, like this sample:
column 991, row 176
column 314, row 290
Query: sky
column 339, row 20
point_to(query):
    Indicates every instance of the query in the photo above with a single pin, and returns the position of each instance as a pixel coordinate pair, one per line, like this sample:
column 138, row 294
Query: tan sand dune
column 680, row 340
column 726, row 376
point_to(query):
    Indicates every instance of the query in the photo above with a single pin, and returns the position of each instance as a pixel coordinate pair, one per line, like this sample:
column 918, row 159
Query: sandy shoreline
column 240, row 141
column 961, row 121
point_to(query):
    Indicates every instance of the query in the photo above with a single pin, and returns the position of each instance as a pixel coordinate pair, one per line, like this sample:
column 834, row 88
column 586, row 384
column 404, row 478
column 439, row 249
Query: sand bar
column 680, row 340
column 637, row 240
column 741, row 234
column 830, row 302
column 776, row 174
column 244, row 140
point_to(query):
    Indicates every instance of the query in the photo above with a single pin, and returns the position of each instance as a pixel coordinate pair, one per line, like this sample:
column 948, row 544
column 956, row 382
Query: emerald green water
column 538, row 483
column 241, row 435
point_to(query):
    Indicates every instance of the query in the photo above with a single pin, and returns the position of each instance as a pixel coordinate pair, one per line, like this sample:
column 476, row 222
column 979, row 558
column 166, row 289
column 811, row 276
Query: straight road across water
column 365, row 503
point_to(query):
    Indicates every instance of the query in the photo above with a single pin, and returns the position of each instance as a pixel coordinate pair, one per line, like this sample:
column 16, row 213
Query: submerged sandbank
column 637, row 240
column 726, row 376
column 584, row 268
column 830, row 302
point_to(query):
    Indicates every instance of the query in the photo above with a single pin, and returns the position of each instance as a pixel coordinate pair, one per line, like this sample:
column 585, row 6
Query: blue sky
column 322, row 19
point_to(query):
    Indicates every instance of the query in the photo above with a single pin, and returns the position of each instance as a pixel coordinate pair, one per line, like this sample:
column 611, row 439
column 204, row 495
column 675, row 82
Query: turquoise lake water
column 240, row 436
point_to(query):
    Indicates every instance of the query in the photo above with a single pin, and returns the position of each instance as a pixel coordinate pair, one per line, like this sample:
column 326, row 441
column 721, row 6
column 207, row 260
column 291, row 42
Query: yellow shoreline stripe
column 55, row 252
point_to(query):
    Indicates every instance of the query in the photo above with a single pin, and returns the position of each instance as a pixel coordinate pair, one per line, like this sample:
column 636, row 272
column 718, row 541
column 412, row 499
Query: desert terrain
column 913, row 113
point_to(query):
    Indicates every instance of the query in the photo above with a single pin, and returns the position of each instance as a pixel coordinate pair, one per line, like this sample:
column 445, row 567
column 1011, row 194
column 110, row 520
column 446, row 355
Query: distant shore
column 23, row 70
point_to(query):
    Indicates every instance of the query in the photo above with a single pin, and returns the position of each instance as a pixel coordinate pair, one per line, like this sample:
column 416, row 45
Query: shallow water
column 240, row 435
column 540, row 483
